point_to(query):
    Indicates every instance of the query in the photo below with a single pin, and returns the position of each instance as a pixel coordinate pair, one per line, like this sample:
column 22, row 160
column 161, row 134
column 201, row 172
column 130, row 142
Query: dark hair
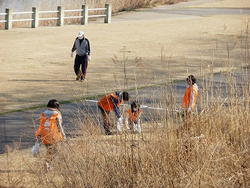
column 53, row 103
column 125, row 96
column 136, row 105
column 191, row 79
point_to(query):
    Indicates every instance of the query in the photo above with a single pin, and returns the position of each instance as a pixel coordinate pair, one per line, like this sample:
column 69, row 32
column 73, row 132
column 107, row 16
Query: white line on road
column 143, row 106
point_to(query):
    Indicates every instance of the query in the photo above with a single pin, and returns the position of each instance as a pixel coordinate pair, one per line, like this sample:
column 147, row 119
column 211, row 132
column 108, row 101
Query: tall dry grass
column 159, row 157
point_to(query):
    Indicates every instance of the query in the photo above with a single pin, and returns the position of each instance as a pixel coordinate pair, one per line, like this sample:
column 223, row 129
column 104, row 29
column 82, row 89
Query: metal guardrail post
column 35, row 17
column 85, row 13
column 8, row 18
column 108, row 12
column 60, row 16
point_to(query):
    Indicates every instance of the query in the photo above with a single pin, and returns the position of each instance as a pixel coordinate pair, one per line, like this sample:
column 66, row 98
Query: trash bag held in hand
column 35, row 149
column 89, row 58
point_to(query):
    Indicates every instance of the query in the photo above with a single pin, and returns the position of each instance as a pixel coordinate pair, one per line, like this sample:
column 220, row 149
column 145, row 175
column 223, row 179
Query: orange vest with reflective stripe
column 106, row 103
column 132, row 116
column 49, row 130
column 186, row 97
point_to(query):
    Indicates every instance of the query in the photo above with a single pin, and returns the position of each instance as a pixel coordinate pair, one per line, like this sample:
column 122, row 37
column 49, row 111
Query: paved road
column 153, row 14
column 177, row 11
column 18, row 128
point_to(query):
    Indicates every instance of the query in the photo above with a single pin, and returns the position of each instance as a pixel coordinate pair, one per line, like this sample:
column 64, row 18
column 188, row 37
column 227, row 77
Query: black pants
column 81, row 62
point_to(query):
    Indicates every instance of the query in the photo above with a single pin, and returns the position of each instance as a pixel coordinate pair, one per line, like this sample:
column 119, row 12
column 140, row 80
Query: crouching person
column 112, row 102
column 50, row 130
column 132, row 118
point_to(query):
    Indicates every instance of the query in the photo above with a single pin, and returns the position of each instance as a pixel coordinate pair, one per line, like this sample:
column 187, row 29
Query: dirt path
column 36, row 64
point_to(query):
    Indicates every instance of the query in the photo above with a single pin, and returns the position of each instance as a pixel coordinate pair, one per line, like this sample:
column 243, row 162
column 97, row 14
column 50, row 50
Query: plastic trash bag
column 89, row 58
column 35, row 149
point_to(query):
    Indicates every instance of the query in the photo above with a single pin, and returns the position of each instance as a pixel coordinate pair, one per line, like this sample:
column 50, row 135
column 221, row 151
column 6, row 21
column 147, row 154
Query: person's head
column 53, row 103
column 191, row 80
column 135, row 106
column 81, row 35
column 124, row 96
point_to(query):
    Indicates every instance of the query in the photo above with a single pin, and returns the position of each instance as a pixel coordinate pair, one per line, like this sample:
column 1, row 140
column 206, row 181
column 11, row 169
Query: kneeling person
column 132, row 117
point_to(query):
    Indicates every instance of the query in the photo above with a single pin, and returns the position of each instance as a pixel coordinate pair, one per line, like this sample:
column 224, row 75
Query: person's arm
column 74, row 47
column 88, row 46
column 59, row 125
column 118, row 114
column 39, row 127
column 116, row 108
column 126, row 116
column 138, row 119
column 192, row 93
column 38, row 131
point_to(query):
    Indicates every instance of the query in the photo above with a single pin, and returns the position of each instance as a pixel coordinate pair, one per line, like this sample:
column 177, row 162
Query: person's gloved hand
column 71, row 54
column 120, row 120
column 119, row 124
column 189, row 109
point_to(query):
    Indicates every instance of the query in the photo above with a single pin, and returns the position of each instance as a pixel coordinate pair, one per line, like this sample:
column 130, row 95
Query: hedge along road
column 20, row 126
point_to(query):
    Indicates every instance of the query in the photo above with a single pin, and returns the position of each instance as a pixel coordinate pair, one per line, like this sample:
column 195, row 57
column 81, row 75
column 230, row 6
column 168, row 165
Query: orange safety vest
column 132, row 116
column 186, row 97
column 49, row 130
column 106, row 103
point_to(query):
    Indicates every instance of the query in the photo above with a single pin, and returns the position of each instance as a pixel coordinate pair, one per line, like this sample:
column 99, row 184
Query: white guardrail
column 35, row 16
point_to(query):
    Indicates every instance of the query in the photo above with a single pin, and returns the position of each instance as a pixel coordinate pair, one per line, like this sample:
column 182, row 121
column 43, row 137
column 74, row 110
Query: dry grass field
column 36, row 66
column 39, row 65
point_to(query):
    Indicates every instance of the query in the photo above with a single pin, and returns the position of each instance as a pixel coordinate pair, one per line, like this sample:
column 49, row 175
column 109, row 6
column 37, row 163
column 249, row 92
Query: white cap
column 80, row 33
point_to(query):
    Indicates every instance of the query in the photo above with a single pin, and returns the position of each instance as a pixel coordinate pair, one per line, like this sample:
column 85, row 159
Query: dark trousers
column 81, row 62
column 105, row 117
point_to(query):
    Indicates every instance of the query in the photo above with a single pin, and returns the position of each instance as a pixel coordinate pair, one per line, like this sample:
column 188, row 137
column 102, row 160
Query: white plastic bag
column 137, row 128
column 35, row 149
column 119, row 124
column 89, row 58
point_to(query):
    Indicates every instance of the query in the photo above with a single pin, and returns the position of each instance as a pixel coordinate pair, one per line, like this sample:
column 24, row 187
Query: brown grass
column 27, row 77
column 162, row 156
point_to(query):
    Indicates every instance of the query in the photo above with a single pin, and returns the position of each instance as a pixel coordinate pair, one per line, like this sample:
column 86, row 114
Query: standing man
column 82, row 48
column 112, row 102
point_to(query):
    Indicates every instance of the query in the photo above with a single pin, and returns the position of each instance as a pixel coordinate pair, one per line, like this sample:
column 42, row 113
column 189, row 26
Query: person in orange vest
column 189, row 98
column 132, row 118
column 191, row 92
column 112, row 102
column 50, row 130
